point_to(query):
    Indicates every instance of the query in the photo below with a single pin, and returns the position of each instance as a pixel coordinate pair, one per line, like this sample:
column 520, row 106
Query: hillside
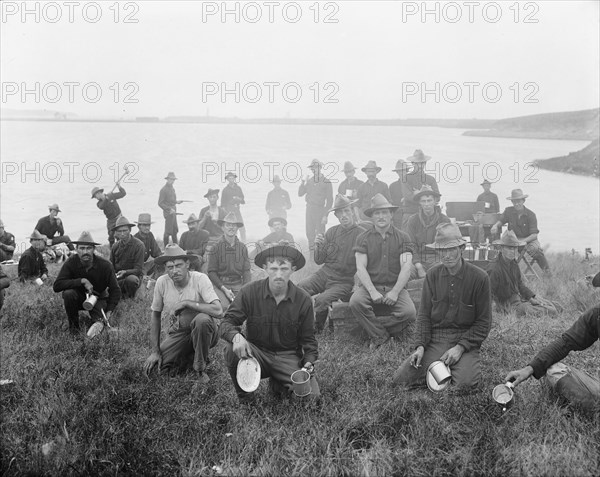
column 584, row 162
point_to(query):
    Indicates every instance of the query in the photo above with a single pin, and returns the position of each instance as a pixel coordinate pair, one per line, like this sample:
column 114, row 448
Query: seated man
column 421, row 229
column 108, row 204
column 279, row 322
column 523, row 223
column 455, row 316
column 7, row 244
column 31, row 263
column 50, row 225
column 383, row 262
column 573, row 384
column 87, row 273
column 194, row 241
column 4, row 283
column 477, row 231
column 228, row 263
column 335, row 279
column 188, row 298
column 152, row 250
column 210, row 214
column 506, row 282
column 279, row 232
column 127, row 258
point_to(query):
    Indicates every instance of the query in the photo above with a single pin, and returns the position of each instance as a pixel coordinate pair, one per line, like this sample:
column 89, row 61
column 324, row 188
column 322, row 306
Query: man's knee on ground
column 70, row 295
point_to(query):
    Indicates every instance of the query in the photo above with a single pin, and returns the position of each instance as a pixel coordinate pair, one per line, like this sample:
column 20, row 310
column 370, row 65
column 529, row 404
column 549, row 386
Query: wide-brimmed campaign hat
column 371, row 165
column 231, row 174
column 341, row 202
column 401, row 165
column 230, row 218
column 36, row 235
column 348, row 166
column 171, row 175
column 276, row 178
column 517, row 194
column 379, row 202
column 509, row 239
column 285, row 251
column 486, row 182
column 122, row 222
column 425, row 190
column 95, row 190
column 85, row 239
column 172, row 252
column 447, row 235
column 272, row 220
column 144, row 219
column 211, row 192
column 54, row 207
column 315, row 163
column 191, row 219
column 418, row 156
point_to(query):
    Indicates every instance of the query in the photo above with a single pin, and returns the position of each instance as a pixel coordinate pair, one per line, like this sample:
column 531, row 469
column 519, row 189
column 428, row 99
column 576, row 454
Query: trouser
column 239, row 218
column 73, row 300
column 190, row 344
column 235, row 287
column 575, row 385
column 395, row 321
column 63, row 239
column 129, row 285
column 535, row 251
column 5, row 255
column 314, row 223
column 465, row 373
column 171, row 229
column 327, row 292
column 110, row 225
column 277, row 365
column 521, row 307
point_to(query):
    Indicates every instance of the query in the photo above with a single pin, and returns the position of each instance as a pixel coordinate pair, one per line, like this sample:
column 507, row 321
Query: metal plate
column 432, row 383
column 248, row 374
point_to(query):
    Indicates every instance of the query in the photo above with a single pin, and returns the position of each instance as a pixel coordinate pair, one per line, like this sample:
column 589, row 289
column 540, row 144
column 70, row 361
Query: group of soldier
column 386, row 236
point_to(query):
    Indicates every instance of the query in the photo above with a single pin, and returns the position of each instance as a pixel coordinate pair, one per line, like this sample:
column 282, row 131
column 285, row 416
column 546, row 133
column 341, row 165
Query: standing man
column 278, row 200
column 383, row 262
column 349, row 186
column 31, row 263
column 231, row 199
column 492, row 205
column 421, row 228
column 50, row 225
column 194, row 241
column 523, row 222
column 108, row 204
column 335, row 279
column 319, row 197
column 455, row 316
column 367, row 190
column 7, row 244
column 210, row 214
column 397, row 191
column 127, row 258
column 416, row 179
column 228, row 263
column 87, row 273
column 144, row 235
column 279, row 322
column 189, row 300
column 167, row 201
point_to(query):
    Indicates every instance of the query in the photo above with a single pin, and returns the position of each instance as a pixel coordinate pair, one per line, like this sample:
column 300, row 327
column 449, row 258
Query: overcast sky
column 358, row 59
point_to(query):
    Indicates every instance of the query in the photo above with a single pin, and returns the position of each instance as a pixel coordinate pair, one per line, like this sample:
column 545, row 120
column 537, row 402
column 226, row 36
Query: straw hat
column 371, row 165
column 447, row 235
column 286, row 251
column 272, row 220
column 37, row 236
column 172, row 252
column 85, row 239
column 211, row 192
column 379, row 202
column 171, row 175
column 418, row 156
column 144, row 219
column 341, row 202
column 54, row 207
column 517, row 194
column 230, row 218
column 191, row 219
column 95, row 190
column 122, row 222
column 425, row 190
column 509, row 239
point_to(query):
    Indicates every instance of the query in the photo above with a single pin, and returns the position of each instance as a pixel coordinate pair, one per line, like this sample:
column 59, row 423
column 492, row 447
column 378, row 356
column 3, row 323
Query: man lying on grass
column 454, row 318
column 573, row 384
column 280, row 321
column 189, row 299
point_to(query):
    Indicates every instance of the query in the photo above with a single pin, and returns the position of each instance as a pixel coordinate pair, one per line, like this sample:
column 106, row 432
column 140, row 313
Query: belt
column 237, row 279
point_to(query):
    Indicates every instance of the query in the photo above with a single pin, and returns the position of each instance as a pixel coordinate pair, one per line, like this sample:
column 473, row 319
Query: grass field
column 82, row 407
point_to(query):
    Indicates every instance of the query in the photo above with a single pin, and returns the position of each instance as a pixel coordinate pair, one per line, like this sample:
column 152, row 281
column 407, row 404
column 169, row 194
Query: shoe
column 203, row 378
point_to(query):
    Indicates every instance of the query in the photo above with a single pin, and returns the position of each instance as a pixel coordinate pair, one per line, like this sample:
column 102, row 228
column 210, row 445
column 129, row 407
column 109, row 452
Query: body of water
column 55, row 162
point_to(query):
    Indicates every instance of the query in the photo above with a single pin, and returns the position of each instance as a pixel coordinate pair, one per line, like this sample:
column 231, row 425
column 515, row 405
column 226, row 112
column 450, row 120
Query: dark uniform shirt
column 349, row 188
column 101, row 275
column 227, row 196
column 31, row 264
column 211, row 225
column 414, row 182
column 523, row 224
column 492, row 199
column 7, row 240
column 128, row 256
column 506, row 280
column 366, row 191
column 151, row 247
column 336, row 254
column 583, row 334
column 109, row 204
column 383, row 253
column 318, row 194
column 228, row 263
column 50, row 226
column 278, row 201
column 457, row 305
column 421, row 230
column 194, row 241
column 287, row 326
column 276, row 237
column 167, row 199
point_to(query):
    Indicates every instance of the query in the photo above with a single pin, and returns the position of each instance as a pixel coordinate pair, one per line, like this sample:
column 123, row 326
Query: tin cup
column 503, row 395
column 49, row 242
column 301, row 383
column 440, row 372
column 90, row 302
column 39, row 281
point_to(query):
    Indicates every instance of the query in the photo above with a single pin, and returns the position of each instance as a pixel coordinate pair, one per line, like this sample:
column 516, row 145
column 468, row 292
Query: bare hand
column 120, row 274
column 44, row 277
column 390, row 297
column 153, row 360
column 228, row 293
column 319, row 239
column 376, row 297
column 534, row 301
column 89, row 288
column 453, row 355
column 420, row 270
column 309, row 367
column 241, row 347
column 416, row 357
column 518, row 376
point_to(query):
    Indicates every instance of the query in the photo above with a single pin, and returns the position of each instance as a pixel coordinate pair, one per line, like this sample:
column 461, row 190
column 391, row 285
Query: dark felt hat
column 285, row 251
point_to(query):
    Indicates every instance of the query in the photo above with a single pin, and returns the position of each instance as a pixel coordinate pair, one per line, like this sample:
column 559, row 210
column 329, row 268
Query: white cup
column 90, row 302
column 39, row 281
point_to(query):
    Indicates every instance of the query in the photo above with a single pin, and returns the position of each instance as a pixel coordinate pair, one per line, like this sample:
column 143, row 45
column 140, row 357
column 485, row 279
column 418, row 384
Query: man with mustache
column 383, row 264
column 454, row 318
column 188, row 298
column 87, row 273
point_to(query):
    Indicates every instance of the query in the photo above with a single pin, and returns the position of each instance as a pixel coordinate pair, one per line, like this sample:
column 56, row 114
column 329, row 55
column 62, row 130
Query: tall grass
column 82, row 406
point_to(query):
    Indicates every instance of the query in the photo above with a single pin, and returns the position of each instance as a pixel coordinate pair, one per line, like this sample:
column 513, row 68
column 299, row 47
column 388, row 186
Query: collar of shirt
column 459, row 275
column 373, row 230
column 227, row 244
column 82, row 265
column 290, row 294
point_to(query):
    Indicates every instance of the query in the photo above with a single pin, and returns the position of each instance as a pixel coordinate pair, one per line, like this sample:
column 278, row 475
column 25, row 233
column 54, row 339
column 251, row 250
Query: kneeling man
column 190, row 301
column 279, row 322
column 455, row 316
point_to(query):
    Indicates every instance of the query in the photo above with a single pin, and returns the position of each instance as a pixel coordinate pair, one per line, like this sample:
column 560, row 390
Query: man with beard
column 31, row 263
column 127, row 258
column 108, row 204
column 87, row 273
column 167, row 201
column 335, row 279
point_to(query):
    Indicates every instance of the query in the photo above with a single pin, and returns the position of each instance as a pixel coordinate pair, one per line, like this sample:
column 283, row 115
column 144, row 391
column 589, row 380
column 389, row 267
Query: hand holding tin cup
column 503, row 395
column 438, row 376
column 301, row 382
column 90, row 302
column 38, row 281
column 248, row 374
